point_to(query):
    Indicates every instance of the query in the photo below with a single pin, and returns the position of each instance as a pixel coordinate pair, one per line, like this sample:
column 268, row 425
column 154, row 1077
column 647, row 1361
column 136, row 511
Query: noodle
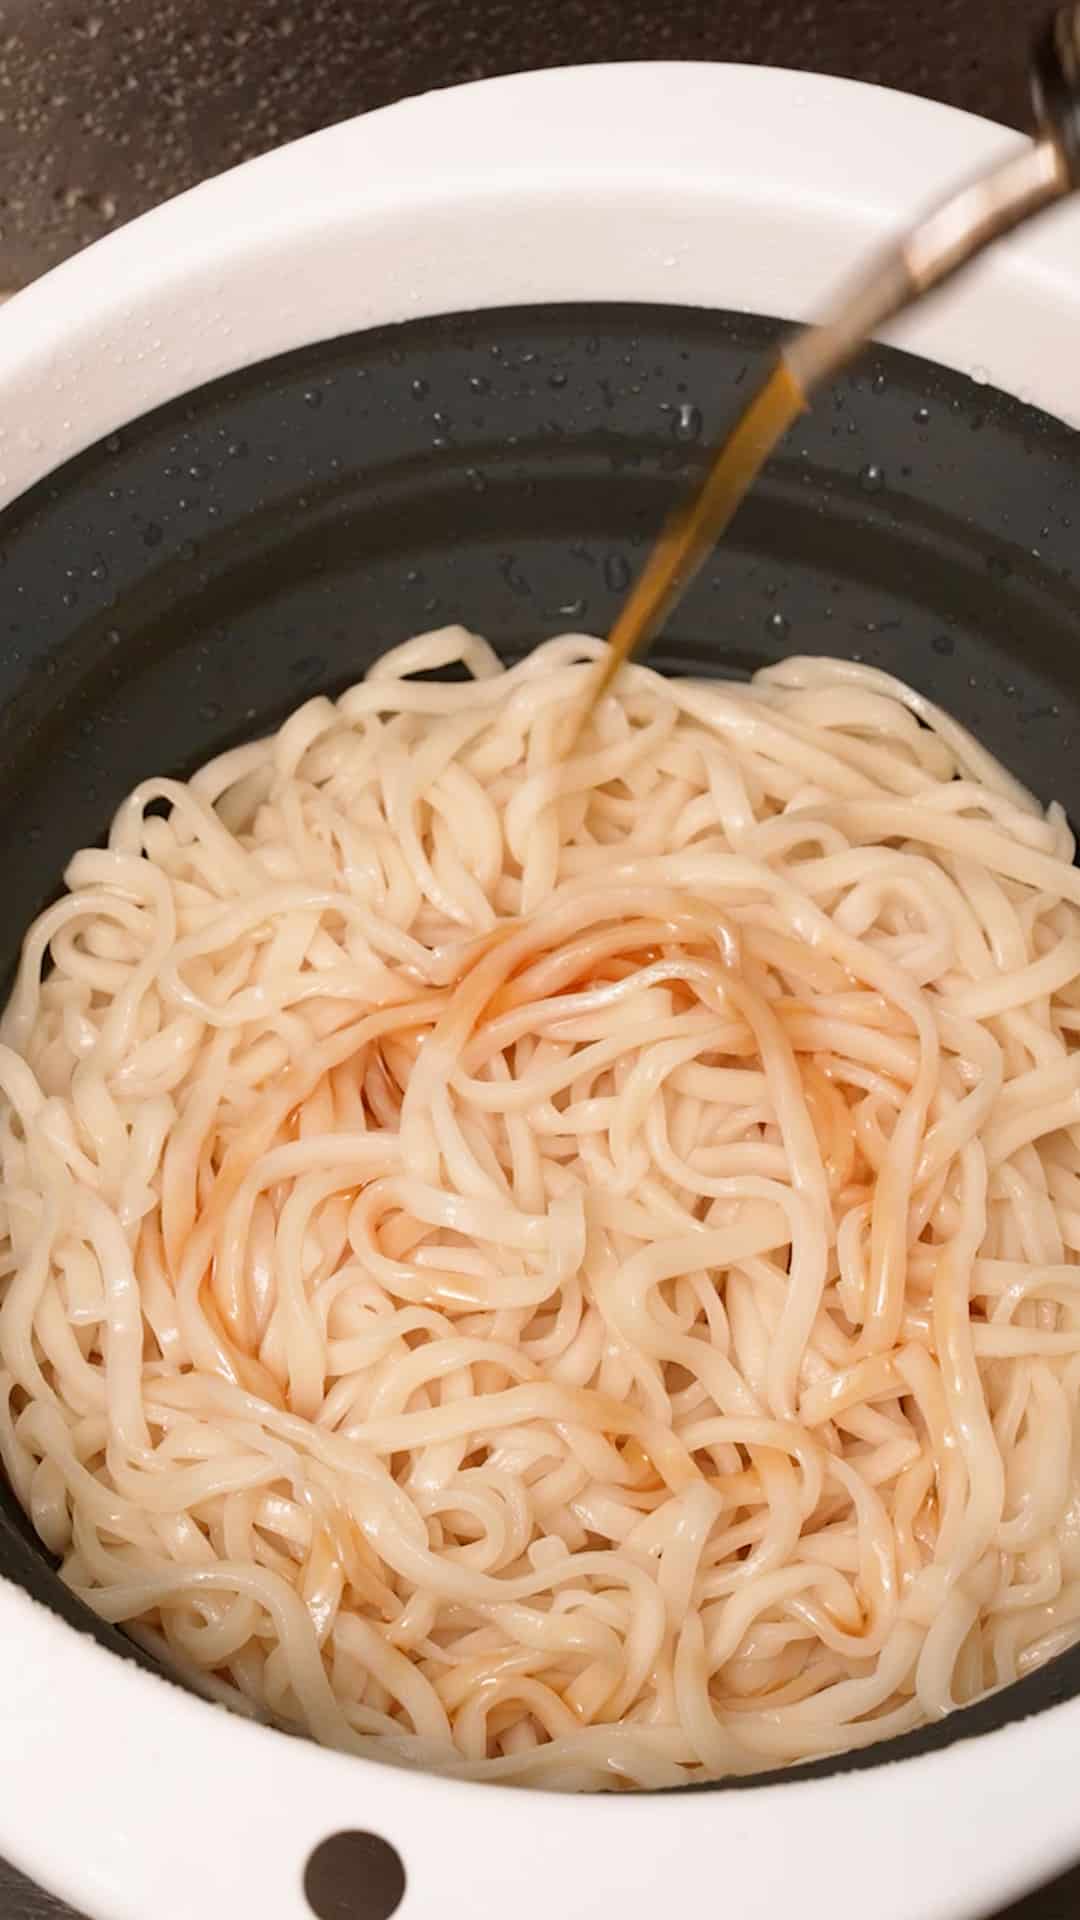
column 563, row 1268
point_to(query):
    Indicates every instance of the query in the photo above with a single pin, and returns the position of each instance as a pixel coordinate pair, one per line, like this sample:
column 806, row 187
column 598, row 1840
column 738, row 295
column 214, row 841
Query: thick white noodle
column 566, row 1270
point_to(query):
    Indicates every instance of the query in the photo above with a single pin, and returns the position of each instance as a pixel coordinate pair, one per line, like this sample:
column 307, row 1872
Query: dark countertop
column 108, row 106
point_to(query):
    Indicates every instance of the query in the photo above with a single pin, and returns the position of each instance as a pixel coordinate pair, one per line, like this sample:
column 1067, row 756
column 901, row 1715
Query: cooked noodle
column 566, row 1270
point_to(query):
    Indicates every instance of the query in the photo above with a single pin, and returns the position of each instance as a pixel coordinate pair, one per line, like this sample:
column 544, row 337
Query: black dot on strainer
column 354, row 1876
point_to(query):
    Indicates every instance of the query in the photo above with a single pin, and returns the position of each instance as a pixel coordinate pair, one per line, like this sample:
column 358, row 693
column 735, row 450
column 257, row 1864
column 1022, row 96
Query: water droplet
column 557, row 379
column 99, row 571
column 478, row 384
column 687, row 422
column 879, row 383
column 616, row 573
column 113, row 637
column 573, row 609
column 236, row 449
column 513, row 575
column 198, row 471
column 419, row 389
column 476, row 480
column 920, row 416
column 872, row 478
column 69, row 597
column 776, row 624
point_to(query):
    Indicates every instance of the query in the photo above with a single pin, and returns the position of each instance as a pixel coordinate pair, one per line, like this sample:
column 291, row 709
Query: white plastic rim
column 693, row 185
column 700, row 185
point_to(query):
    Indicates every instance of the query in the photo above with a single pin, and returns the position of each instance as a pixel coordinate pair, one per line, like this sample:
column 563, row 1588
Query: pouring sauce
column 696, row 525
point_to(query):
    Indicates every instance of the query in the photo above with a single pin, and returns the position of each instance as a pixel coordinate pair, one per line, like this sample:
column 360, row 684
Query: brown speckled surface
column 107, row 106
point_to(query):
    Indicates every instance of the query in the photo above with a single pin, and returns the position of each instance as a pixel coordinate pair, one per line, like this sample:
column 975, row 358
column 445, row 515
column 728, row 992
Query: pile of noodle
column 561, row 1269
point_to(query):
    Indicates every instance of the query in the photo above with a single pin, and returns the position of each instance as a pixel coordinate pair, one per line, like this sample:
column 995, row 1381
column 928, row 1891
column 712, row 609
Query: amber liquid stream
column 694, row 528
